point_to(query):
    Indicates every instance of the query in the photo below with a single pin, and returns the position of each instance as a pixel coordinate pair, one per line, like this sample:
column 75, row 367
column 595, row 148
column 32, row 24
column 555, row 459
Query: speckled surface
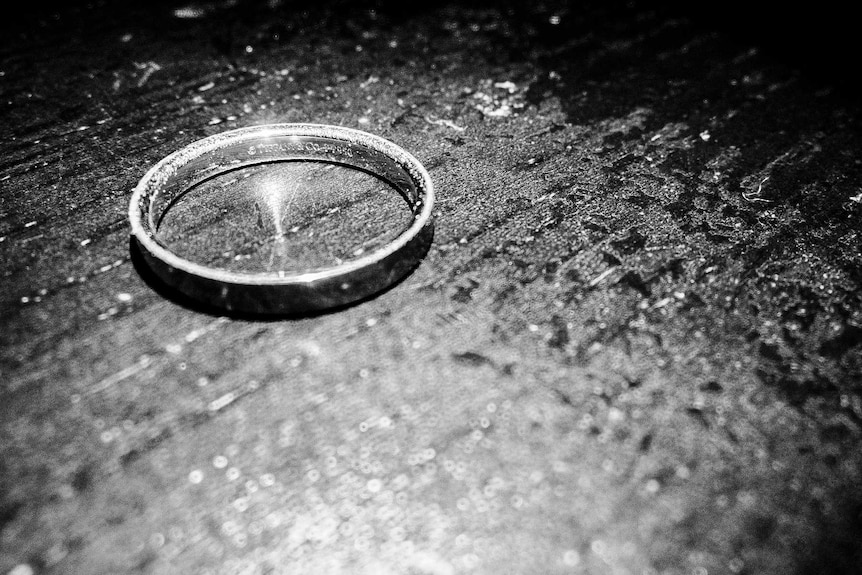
column 634, row 346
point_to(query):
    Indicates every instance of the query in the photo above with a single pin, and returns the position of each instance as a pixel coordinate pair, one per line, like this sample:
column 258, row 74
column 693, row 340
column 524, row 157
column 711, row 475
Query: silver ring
column 278, row 292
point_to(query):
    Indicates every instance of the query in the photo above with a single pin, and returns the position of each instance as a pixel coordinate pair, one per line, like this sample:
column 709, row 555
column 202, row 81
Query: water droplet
column 241, row 504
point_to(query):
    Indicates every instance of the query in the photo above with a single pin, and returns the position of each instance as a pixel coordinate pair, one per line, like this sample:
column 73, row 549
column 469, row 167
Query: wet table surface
column 635, row 345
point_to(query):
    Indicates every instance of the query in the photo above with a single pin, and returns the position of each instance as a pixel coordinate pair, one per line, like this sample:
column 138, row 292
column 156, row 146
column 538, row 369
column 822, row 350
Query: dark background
column 634, row 346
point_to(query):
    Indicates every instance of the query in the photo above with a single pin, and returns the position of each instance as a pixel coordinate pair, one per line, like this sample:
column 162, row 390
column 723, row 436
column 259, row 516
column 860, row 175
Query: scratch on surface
column 224, row 400
column 445, row 123
column 144, row 362
column 755, row 195
column 662, row 302
column 190, row 12
column 149, row 68
column 110, row 266
column 371, row 80
column 601, row 277
column 30, row 239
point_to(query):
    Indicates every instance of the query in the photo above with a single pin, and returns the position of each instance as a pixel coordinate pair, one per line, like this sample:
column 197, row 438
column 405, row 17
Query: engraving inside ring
column 276, row 216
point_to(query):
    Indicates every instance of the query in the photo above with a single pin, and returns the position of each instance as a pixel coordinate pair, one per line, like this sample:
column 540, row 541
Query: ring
column 279, row 292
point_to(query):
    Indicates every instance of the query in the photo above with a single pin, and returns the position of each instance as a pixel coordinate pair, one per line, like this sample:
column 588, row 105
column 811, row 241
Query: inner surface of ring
column 276, row 148
column 289, row 205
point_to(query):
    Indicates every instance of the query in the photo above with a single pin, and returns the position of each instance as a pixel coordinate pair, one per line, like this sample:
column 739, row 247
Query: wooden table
column 633, row 347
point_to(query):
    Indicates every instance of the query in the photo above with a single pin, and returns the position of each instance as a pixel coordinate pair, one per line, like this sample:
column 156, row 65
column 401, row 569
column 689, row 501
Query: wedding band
column 280, row 292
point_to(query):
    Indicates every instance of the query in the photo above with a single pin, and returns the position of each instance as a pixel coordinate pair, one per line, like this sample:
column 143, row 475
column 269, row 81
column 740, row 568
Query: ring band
column 279, row 292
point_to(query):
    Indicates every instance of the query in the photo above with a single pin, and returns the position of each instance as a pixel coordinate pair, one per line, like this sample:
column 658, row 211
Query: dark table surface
column 633, row 347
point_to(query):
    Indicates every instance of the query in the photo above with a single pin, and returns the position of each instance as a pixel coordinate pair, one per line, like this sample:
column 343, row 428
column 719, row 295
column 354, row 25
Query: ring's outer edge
column 285, row 292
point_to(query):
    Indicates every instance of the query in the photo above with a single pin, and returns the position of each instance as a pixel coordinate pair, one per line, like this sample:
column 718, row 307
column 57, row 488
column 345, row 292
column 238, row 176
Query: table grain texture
column 634, row 347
